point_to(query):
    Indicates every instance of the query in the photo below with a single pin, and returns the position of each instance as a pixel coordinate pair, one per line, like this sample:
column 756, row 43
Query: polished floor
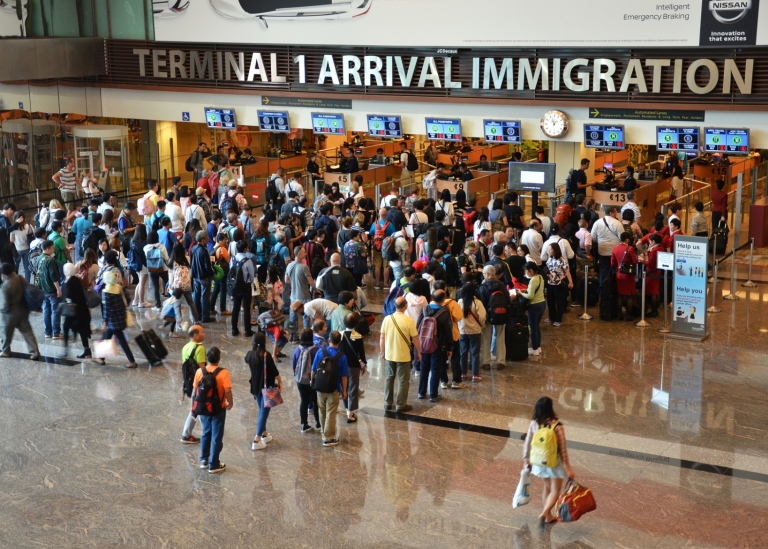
column 670, row 436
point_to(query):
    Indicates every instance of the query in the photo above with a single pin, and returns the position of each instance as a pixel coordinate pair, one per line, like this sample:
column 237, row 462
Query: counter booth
column 29, row 159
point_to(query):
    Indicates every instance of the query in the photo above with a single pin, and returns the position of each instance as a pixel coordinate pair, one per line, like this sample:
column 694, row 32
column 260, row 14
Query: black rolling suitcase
column 152, row 347
column 593, row 291
column 608, row 307
column 516, row 339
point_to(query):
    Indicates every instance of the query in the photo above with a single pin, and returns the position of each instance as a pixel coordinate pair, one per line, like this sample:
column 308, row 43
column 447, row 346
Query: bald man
column 336, row 279
column 398, row 338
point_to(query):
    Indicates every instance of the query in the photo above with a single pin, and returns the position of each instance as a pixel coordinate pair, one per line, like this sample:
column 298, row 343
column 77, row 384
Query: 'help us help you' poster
column 689, row 310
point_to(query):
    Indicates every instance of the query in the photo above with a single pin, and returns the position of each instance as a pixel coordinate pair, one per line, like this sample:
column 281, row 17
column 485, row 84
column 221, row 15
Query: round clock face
column 554, row 123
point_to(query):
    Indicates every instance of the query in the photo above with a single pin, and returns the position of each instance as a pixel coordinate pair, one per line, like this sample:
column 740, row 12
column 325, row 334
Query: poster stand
column 689, row 317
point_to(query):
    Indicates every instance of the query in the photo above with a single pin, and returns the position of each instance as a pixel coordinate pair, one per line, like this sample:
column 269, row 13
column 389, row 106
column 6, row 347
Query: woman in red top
column 719, row 204
column 662, row 229
column 625, row 283
column 653, row 274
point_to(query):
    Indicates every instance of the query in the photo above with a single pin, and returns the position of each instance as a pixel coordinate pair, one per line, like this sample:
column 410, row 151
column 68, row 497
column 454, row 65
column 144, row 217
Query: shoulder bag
column 629, row 269
column 271, row 395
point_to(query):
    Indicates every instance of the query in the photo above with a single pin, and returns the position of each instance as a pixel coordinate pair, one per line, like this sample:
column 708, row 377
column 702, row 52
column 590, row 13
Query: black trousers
column 307, row 395
column 244, row 301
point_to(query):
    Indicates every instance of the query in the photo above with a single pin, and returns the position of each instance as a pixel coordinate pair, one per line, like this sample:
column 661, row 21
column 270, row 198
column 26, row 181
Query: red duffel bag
column 575, row 501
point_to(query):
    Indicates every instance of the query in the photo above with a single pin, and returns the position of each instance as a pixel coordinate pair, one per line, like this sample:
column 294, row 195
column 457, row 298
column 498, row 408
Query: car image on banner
column 169, row 8
column 291, row 9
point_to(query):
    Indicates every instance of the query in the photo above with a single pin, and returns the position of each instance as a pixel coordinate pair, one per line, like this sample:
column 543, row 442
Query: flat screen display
column 444, row 129
column 222, row 119
column 604, row 137
column 502, row 131
column 727, row 140
column 677, row 139
column 385, row 126
column 532, row 176
column 328, row 123
column 274, row 121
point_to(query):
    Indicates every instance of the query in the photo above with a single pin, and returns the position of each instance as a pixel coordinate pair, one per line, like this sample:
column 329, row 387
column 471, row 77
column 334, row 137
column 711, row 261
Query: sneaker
column 421, row 397
column 235, row 333
column 530, row 351
column 486, row 366
column 34, row 356
column 226, row 313
column 536, row 352
column 463, row 377
column 58, row 336
column 329, row 443
column 317, row 426
column 48, row 336
column 455, row 385
column 417, row 373
column 266, row 437
column 575, row 304
column 444, row 385
column 220, row 469
column 191, row 439
column 437, row 398
column 306, row 429
column 377, row 287
column 477, row 378
column 403, row 409
column 556, row 324
column 157, row 310
column 500, row 366
column 547, row 320
column 248, row 334
column 258, row 445
column 203, row 464
column 388, row 407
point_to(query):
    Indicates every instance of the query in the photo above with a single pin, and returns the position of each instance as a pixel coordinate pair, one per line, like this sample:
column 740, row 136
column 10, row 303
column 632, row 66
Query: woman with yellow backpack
column 545, row 453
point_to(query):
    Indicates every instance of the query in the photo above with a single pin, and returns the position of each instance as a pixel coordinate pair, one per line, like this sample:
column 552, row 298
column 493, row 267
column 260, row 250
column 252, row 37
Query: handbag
column 104, row 348
column 67, row 309
column 574, row 502
column 627, row 268
column 129, row 320
column 271, row 395
column 92, row 299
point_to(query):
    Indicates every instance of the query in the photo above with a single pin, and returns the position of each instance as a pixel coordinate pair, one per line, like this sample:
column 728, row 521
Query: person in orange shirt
column 221, row 257
column 211, row 441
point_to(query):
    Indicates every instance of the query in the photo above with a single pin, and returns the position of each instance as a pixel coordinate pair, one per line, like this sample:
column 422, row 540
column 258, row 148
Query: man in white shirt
column 555, row 238
column 318, row 309
column 66, row 180
column 105, row 205
column 195, row 212
column 631, row 205
column 407, row 175
column 533, row 240
column 295, row 185
column 279, row 181
column 403, row 249
column 173, row 212
column 389, row 201
column 607, row 233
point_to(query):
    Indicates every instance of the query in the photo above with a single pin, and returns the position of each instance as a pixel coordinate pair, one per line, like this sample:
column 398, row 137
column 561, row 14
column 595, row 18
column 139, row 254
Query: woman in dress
column 553, row 477
column 264, row 374
column 624, row 253
column 481, row 223
column 80, row 324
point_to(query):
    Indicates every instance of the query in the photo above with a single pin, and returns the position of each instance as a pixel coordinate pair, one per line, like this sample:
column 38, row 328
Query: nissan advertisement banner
column 457, row 24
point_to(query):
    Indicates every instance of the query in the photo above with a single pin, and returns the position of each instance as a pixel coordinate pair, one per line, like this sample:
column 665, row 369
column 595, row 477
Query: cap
column 200, row 191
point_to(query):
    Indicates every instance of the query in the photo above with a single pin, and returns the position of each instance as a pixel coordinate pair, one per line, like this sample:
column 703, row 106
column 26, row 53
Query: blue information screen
column 677, row 139
column 274, row 121
column 384, row 126
column 603, row 137
column 444, row 129
column 328, row 123
column 502, row 131
column 733, row 141
column 223, row 119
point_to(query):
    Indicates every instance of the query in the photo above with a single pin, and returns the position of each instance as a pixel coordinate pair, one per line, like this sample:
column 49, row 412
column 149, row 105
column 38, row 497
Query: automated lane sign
column 646, row 114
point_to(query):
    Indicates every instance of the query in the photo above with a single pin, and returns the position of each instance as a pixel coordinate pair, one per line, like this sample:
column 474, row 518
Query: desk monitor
column 328, row 123
column 502, row 131
column 444, row 129
column 604, row 137
column 608, row 165
column 274, row 121
column 220, row 119
column 464, row 159
column 532, row 176
column 358, row 152
column 677, row 139
column 385, row 126
column 726, row 140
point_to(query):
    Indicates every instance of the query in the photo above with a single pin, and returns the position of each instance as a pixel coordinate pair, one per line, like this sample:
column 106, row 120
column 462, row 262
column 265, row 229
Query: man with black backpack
column 409, row 163
column 192, row 358
column 212, row 390
column 330, row 373
column 497, row 303
column 275, row 192
column 239, row 281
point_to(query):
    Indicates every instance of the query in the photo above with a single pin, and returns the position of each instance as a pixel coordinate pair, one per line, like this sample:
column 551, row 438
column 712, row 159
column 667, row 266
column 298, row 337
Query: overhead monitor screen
column 677, row 139
column 222, row 119
column 727, row 140
column 444, row 129
column 532, row 176
column 274, row 121
column 385, row 126
column 329, row 123
column 502, row 131
column 604, row 137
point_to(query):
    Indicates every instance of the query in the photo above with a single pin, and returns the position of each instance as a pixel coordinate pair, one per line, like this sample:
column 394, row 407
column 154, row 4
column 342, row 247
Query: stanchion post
column 732, row 290
column 714, row 308
column 714, row 250
column 664, row 306
column 586, row 315
column 643, row 323
column 749, row 283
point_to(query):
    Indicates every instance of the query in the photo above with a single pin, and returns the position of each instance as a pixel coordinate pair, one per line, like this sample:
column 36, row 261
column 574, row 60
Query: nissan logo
column 737, row 10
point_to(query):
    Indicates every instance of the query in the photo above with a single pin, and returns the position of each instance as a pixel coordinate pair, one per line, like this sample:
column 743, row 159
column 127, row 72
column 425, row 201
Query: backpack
column 189, row 165
column 544, row 446
column 378, row 236
column 327, row 373
column 388, row 250
column 277, row 261
column 206, row 206
column 271, row 195
column 145, row 207
column 155, row 260
column 188, row 370
column 235, row 281
column 350, row 255
column 33, row 297
column 303, row 371
column 34, row 257
column 270, row 319
column 315, row 259
column 206, row 401
column 134, row 261
column 262, row 249
column 412, row 164
column 219, row 260
column 213, row 183
column 42, row 218
column 394, row 293
column 227, row 203
column 563, row 214
column 469, row 220
column 498, row 223
column 428, row 333
column 498, row 308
